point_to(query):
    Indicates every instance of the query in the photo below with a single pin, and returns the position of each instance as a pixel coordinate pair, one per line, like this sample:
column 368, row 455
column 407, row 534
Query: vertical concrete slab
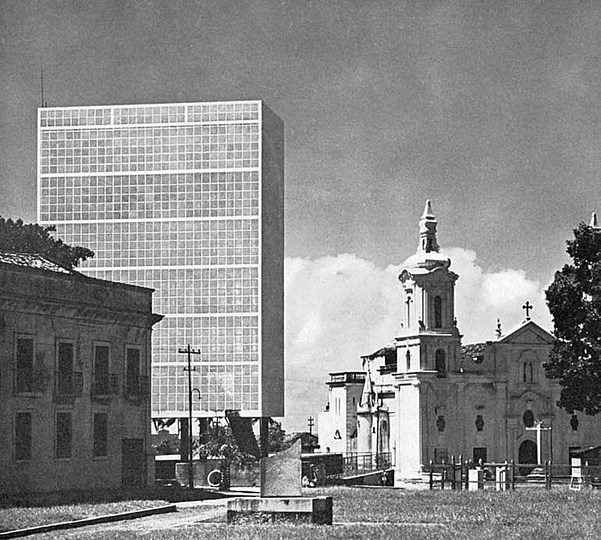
column 281, row 473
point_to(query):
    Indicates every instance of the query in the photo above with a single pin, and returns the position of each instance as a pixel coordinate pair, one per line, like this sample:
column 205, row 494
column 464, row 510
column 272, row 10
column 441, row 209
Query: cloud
column 482, row 297
column 339, row 308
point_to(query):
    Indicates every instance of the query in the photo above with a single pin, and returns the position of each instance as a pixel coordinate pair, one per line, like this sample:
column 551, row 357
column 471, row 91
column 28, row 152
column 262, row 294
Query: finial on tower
column 428, row 213
column 427, row 230
column 499, row 330
column 594, row 222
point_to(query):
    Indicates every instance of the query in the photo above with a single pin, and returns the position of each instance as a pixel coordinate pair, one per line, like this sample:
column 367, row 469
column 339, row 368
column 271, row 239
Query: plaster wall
column 121, row 318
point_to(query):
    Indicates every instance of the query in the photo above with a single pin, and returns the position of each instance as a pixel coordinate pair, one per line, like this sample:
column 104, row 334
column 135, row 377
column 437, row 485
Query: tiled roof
column 473, row 350
column 381, row 352
column 31, row 260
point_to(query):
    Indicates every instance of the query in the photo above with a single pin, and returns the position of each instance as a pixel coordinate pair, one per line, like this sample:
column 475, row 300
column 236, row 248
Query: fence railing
column 461, row 474
column 105, row 386
column 365, row 462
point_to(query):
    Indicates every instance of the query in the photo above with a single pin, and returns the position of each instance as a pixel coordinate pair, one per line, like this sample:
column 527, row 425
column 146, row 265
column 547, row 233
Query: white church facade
column 425, row 397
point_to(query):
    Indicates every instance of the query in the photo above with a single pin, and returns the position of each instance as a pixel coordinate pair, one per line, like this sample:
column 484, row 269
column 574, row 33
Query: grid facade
column 186, row 199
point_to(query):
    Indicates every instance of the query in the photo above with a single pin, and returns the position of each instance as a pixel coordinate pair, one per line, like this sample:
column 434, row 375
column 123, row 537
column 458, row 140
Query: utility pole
column 189, row 351
column 311, row 422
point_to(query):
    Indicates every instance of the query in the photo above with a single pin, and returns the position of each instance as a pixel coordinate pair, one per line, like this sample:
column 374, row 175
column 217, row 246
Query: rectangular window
column 64, row 435
column 100, row 434
column 23, row 436
column 101, row 370
column 24, row 365
column 479, row 453
column 132, row 372
column 65, row 368
column 441, row 455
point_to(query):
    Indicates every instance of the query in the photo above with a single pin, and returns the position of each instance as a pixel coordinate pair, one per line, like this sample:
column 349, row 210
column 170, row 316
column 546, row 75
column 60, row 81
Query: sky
column 490, row 109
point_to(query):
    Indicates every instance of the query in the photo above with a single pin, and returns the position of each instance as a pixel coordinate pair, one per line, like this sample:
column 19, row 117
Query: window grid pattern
column 221, row 340
column 133, row 149
column 75, row 117
column 221, row 387
column 158, row 196
column 150, row 114
column 168, row 197
column 195, row 290
column 175, row 243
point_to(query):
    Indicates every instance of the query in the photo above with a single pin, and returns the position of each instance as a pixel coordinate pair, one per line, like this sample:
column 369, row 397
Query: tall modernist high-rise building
column 188, row 199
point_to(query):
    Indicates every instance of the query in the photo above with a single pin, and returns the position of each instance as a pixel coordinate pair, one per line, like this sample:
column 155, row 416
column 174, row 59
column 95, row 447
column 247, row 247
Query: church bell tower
column 428, row 345
column 428, row 286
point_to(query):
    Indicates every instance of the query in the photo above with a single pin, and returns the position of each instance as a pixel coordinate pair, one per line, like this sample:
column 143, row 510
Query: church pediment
column 529, row 333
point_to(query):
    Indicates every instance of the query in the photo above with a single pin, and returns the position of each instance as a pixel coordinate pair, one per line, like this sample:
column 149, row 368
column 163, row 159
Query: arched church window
column 528, row 371
column 440, row 363
column 441, row 423
column 437, row 312
column 528, row 418
column 408, row 359
column 408, row 311
column 479, row 422
column 574, row 422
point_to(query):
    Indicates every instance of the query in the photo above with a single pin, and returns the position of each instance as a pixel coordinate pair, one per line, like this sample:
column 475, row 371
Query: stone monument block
column 315, row 510
column 281, row 473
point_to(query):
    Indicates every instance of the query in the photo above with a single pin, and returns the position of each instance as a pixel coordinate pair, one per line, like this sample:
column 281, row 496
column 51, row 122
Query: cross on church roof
column 527, row 307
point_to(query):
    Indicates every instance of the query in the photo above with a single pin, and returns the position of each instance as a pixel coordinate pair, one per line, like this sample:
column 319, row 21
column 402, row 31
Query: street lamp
column 199, row 420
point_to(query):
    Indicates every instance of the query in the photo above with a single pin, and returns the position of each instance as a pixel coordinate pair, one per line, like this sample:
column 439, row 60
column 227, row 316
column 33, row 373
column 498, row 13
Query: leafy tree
column 32, row 238
column 276, row 436
column 218, row 441
column 574, row 299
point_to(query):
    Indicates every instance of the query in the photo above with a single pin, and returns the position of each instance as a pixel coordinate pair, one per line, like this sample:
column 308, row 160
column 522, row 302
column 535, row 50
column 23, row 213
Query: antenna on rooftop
column 42, row 86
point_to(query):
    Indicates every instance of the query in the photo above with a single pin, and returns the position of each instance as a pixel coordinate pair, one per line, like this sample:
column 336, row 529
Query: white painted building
column 426, row 397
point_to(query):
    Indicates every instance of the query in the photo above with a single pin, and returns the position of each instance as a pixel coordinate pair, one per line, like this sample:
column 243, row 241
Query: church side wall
column 409, row 450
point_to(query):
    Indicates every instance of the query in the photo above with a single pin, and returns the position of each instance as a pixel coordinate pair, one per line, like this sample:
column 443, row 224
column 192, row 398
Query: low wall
column 377, row 478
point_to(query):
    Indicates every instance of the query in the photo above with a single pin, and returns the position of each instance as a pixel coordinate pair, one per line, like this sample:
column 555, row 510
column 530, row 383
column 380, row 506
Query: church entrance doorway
column 527, row 454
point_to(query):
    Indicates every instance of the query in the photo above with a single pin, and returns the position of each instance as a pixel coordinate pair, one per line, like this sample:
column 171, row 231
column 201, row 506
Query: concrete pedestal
column 317, row 510
column 475, row 479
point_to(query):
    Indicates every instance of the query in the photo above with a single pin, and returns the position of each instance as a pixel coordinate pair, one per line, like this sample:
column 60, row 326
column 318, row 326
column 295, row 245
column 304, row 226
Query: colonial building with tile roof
column 74, row 379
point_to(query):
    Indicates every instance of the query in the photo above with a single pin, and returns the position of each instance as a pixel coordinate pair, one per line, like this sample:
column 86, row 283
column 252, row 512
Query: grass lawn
column 387, row 513
column 24, row 517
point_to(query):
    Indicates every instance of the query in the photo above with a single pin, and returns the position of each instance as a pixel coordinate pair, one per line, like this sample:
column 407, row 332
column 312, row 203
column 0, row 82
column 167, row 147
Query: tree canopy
column 19, row 237
column 218, row 441
column 574, row 299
